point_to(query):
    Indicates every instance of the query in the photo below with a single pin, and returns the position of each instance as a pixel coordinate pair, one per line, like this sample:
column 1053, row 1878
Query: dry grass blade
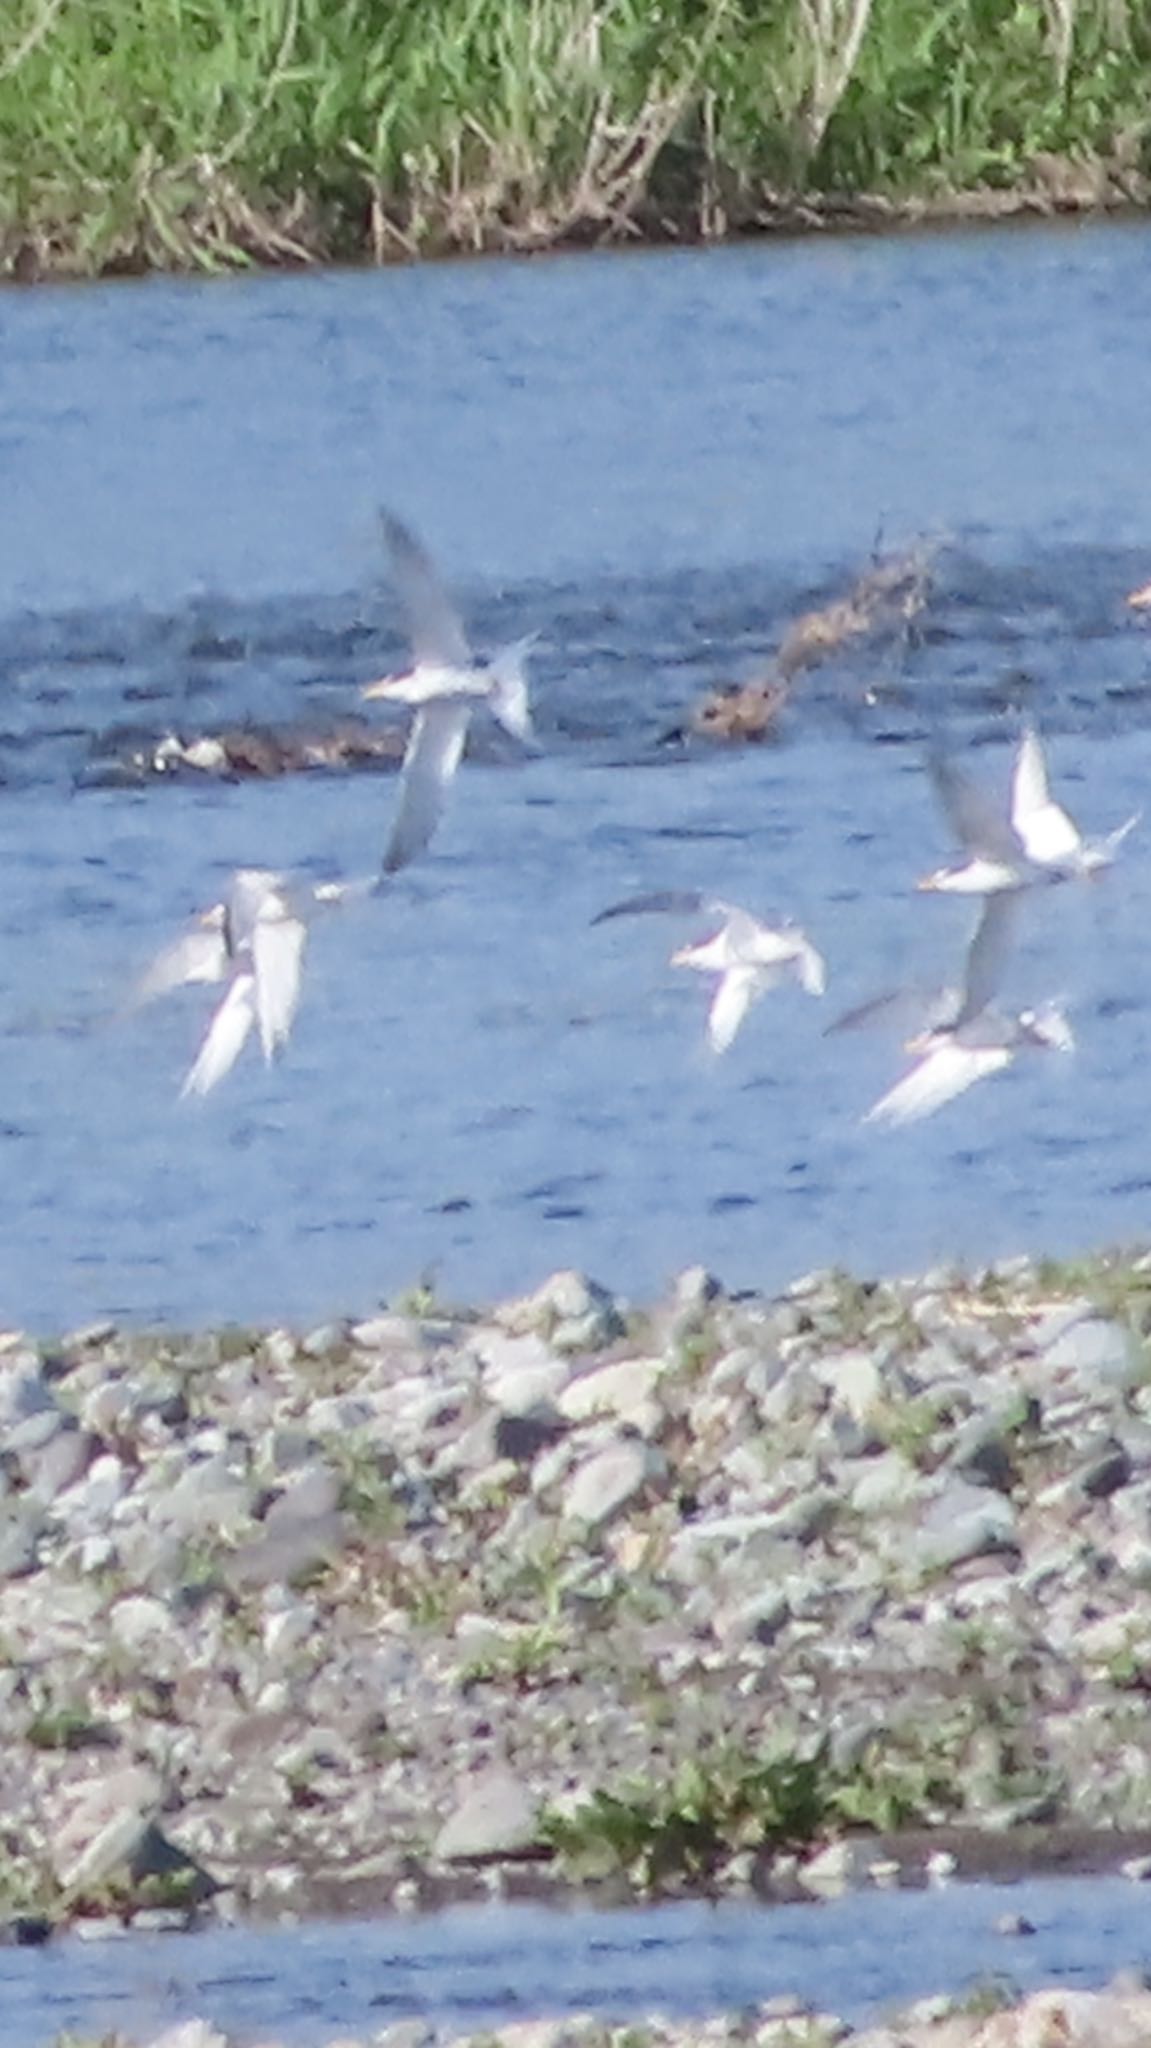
column 836, row 29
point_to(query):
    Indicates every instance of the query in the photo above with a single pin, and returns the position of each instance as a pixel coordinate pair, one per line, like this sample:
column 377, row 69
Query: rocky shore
column 730, row 1593
column 1119, row 2017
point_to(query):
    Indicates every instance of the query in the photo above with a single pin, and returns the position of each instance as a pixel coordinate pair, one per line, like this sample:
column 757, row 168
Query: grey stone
column 695, row 1289
column 886, row 1482
column 497, row 1816
column 612, row 1480
column 523, row 1437
column 623, row 1388
column 51, row 1470
column 964, row 1522
column 103, row 1826
column 758, row 1619
column 980, row 1453
column 853, row 1379
column 190, row 2034
column 520, row 1372
column 406, row 2034
column 21, row 1525
column 1095, row 1352
column 1106, row 1469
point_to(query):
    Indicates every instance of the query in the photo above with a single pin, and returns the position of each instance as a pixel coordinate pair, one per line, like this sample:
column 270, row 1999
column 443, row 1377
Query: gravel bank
column 1119, row 2017
column 724, row 1594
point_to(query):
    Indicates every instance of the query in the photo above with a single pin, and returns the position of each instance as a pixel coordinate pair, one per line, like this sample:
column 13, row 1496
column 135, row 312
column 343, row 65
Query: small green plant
column 685, row 1829
column 67, row 1728
column 529, row 1658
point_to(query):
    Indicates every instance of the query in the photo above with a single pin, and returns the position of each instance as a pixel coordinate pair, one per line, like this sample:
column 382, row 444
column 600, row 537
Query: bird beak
column 382, row 688
column 927, row 882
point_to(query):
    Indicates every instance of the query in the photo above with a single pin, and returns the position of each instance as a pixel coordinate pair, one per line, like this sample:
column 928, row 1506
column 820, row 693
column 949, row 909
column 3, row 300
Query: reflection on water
column 477, row 1967
column 655, row 461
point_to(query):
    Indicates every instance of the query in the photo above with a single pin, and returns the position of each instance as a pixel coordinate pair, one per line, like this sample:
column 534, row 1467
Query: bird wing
column 733, row 998
column 684, row 901
column 277, row 959
column 973, row 818
column 225, row 1036
column 990, row 944
column 904, row 1010
column 810, row 966
column 434, row 625
column 433, row 755
column 945, row 1071
column 200, row 954
column 1046, row 832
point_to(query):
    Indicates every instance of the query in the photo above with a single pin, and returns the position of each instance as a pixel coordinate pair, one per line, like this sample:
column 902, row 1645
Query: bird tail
column 1115, row 839
column 509, row 698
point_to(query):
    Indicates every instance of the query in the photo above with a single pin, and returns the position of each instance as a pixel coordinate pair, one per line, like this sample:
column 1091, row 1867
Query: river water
column 474, row 1968
column 655, row 459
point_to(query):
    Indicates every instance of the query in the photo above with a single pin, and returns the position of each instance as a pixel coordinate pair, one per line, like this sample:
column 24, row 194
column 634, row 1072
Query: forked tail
column 509, row 698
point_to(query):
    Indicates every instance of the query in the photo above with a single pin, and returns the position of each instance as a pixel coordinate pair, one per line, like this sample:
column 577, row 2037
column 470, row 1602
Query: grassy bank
column 179, row 133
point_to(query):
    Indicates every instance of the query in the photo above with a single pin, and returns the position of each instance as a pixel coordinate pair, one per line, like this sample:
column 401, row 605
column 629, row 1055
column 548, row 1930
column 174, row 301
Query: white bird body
column 445, row 684
column 749, row 956
column 964, row 1039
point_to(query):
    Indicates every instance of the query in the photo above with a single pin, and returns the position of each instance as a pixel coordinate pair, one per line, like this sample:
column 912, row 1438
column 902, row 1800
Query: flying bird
column 445, row 685
column 253, row 939
column 1034, row 841
column 749, row 957
column 962, row 1038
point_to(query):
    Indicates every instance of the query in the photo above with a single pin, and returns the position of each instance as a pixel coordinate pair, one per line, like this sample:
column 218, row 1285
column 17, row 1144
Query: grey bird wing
column 225, row 1036
column 433, row 755
column 973, row 817
column 686, row 902
column 986, row 955
column 434, row 625
column 903, row 1010
column 200, row 954
column 277, row 958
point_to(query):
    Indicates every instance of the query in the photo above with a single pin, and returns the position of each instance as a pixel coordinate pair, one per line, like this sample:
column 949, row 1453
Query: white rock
column 623, row 1389
column 103, row 1825
column 853, row 1379
column 138, row 1620
column 612, row 1480
column 497, row 1816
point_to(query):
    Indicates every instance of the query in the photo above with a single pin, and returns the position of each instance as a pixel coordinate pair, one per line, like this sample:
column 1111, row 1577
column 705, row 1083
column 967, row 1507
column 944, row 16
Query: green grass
column 178, row 133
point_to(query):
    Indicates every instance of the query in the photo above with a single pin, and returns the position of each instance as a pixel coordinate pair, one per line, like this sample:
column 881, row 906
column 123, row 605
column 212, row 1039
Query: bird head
column 387, row 686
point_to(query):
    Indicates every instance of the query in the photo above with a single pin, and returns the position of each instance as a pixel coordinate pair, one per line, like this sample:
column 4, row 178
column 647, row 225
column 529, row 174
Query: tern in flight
column 445, row 684
column 254, row 940
column 961, row 1038
column 748, row 956
column 1036, row 841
